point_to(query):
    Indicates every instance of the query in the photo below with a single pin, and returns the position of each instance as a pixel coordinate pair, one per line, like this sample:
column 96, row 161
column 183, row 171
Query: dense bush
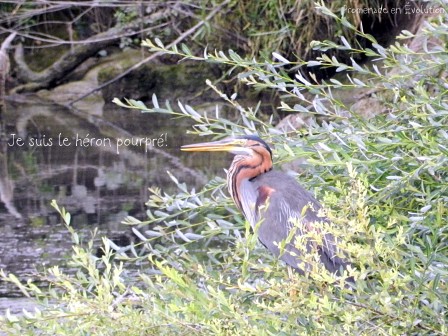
column 383, row 181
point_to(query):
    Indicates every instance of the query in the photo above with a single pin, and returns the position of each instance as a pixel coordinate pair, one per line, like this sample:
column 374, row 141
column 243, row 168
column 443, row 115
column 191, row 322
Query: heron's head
column 246, row 145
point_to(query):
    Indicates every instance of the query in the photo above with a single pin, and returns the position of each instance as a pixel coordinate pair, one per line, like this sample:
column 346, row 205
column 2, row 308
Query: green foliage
column 384, row 184
column 288, row 26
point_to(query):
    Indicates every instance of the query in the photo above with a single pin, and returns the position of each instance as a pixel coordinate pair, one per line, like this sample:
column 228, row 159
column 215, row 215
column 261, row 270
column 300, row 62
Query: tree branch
column 153, row 56
column 4, row 69
column 70, row 60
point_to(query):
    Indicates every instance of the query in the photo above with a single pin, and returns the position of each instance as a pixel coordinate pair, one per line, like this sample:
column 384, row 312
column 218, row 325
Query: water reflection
column 95, row 183
column 6, row 184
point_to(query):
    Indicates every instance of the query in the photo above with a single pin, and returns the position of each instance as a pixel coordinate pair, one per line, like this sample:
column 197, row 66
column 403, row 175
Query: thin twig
column 139, row 64
column 59, row 41
column 390, row 316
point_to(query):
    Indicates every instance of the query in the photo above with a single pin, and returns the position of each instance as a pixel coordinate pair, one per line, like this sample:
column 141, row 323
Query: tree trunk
column 68, row 62
column 4, row 70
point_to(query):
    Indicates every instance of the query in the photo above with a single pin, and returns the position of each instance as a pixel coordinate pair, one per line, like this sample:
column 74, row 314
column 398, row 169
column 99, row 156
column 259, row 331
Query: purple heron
column 274, row 200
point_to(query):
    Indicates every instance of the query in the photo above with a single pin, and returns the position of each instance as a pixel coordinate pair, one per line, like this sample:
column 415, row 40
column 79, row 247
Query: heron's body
column 277, row 190
column 274, row 201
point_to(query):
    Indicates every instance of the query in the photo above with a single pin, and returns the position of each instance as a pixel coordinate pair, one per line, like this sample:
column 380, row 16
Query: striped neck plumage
column 245, row 167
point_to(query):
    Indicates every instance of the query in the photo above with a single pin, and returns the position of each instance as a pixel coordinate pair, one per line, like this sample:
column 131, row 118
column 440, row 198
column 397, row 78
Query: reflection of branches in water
column 28, row 112
column 44, row 174
column 6, row 184
column 122, row 133
column 26, row 116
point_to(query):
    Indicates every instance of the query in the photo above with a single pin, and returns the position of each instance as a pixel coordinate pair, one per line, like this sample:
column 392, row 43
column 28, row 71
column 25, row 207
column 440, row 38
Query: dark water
column 98, row 182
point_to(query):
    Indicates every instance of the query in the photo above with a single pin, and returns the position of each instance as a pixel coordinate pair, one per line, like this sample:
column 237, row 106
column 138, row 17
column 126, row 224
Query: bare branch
column 70, row 60
column 4, row 68
column 153, row 56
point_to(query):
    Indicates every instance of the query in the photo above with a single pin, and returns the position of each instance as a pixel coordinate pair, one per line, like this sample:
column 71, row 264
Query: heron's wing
column 248, row 198
column 278, row 219
column 281, row 201
column 277, row 225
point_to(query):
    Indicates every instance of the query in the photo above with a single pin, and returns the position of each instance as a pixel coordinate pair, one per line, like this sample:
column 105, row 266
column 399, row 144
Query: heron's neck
column 245, row 168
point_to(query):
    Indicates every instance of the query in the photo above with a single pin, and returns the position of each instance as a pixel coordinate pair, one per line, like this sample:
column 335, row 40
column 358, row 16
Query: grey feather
column 275, row 226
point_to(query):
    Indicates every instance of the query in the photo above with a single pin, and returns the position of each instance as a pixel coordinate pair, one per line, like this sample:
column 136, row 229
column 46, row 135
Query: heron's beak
column 227, row 145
